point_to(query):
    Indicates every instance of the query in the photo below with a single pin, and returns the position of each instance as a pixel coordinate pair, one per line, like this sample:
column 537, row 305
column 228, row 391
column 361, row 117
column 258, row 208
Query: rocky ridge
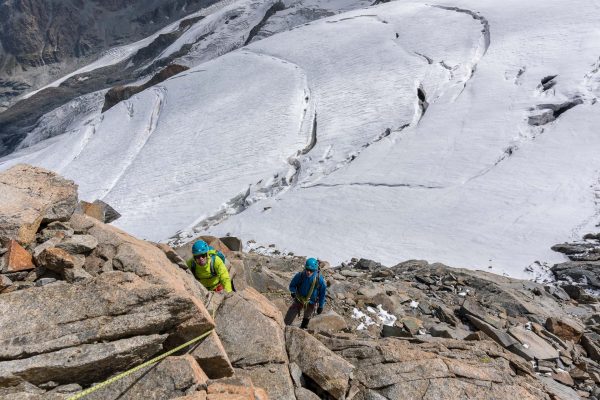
column 50, row 38
column 81, row 301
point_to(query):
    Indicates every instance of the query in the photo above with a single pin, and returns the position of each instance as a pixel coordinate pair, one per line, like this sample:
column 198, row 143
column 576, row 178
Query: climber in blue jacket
column 306, row 288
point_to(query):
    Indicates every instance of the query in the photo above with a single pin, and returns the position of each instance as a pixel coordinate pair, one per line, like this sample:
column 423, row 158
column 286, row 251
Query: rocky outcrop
column 582, row 272
column 432, row 315
column 329, row 371
column 119, row 93
column 440, row 369
column 81, row 301
column 30, row 196
column 251, row 330
column 36, row 33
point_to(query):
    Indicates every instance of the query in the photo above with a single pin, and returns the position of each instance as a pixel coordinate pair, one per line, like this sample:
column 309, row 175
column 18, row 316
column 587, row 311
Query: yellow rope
column 135, row 369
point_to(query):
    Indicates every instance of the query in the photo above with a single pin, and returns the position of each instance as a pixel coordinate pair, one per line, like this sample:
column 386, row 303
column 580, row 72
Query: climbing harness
column 305, row 299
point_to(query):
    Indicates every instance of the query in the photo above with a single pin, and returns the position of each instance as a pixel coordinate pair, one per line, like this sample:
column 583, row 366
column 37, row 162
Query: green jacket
column 202, row 272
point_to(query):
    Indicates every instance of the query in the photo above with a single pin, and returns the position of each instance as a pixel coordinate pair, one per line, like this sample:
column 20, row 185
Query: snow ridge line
column 142, row 139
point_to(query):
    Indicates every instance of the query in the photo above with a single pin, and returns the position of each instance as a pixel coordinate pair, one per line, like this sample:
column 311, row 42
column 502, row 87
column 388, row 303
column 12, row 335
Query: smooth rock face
column 251, row 330
column 172, row 377
column 30, row 196
column 330, row 371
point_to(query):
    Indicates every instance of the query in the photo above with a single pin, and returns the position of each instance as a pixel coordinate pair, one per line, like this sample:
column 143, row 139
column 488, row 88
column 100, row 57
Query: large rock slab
column 150, row 263
column 172, row 377
column 328, row 370
column 500, row 336
column 30, row 196
column 533, row 346
column 329, row 321
column 559, row 391
column 441, row 369
column 274, row 378
column 112, row 306
column 251, row 329
column 85, row 364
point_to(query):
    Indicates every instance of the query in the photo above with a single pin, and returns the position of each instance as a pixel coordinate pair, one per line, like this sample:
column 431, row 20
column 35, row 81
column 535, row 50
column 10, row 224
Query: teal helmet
column 311, row 264
column 200, row 247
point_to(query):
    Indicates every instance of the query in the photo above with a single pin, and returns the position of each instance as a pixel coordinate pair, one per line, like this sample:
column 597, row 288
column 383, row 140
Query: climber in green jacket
column 208, row 267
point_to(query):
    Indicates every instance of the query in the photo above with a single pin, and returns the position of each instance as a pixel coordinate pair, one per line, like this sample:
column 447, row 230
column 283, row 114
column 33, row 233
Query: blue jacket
column 301, row 283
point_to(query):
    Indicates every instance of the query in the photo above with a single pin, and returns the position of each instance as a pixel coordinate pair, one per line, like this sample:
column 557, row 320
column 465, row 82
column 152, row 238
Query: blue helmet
column 200, row 247
column 311, row 264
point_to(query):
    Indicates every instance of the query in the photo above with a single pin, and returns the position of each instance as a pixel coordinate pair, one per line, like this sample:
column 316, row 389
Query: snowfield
column 459, row 131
